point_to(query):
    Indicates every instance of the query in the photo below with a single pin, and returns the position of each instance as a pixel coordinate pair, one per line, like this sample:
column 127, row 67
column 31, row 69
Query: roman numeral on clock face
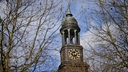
column 74, row 54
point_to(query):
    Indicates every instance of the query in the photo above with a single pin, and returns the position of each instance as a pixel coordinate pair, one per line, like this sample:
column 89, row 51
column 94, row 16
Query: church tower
column 71, row 51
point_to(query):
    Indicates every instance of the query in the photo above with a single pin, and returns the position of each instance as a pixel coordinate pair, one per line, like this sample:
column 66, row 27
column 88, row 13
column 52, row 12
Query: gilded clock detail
column 74, row 54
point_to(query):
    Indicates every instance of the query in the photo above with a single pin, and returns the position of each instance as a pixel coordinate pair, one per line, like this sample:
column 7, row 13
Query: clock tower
column 71, row 51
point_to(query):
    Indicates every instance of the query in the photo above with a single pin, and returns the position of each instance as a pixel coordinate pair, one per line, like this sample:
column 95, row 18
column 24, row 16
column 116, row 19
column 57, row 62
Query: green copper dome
column 70, row 22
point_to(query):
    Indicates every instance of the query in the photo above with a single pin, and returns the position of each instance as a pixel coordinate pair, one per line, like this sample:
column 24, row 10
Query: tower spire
column 68, row 13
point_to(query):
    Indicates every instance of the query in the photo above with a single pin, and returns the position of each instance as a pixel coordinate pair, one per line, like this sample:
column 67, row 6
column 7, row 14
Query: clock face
column 74, row 54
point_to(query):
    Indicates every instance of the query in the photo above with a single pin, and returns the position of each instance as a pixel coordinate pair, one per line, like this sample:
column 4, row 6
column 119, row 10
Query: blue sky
column 83, row 11
column 86, row 12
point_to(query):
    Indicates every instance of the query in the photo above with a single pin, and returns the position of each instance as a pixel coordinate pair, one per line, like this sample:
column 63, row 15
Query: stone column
column 63, row 39
column 78, row 38
column 75, row 36
column 69, row 36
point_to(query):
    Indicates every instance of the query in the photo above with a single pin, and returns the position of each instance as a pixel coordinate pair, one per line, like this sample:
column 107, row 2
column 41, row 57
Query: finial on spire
column 68, row 10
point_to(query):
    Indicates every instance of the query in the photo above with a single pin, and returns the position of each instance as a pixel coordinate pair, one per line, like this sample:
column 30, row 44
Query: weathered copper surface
column 69, row 23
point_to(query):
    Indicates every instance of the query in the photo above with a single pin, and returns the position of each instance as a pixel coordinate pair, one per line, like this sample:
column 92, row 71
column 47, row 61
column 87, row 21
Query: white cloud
column 2, row 9
column 89, row 40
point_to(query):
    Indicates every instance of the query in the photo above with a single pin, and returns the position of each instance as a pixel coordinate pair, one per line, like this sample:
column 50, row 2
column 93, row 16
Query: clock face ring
column 74, row 54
